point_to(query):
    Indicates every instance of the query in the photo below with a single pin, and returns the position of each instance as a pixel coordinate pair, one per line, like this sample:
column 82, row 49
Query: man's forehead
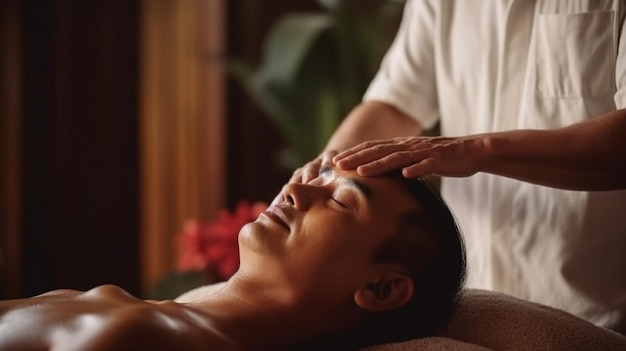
column 375, row 187
column 348, row 177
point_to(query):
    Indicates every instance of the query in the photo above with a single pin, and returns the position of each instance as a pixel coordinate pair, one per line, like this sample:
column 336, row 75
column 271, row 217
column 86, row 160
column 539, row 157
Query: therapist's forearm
column 372, row 120
column 585, row 156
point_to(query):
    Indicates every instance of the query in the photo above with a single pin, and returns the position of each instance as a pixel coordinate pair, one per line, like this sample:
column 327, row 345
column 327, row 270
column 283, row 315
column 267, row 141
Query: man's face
column 324, row 233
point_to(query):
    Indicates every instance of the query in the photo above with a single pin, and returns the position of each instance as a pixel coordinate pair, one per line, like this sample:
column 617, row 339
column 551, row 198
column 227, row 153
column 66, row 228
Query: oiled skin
column 105, row 318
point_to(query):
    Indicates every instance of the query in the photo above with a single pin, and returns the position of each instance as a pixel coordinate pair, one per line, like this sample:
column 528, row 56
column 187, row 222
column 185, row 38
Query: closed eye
column 339, row 202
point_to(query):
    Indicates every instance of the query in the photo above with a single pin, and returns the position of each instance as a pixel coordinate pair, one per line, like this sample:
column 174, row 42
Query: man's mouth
column 277, row 215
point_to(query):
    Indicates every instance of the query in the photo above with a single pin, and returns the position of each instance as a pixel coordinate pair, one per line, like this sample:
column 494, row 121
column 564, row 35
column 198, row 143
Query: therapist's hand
column 417, row 156
column 312, row 168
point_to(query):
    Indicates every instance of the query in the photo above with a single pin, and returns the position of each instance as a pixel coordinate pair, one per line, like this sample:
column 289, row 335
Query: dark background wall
column 80, row 213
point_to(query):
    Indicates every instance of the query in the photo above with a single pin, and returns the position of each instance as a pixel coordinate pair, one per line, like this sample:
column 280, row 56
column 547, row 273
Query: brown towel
column 486, row 319
column 434, row 343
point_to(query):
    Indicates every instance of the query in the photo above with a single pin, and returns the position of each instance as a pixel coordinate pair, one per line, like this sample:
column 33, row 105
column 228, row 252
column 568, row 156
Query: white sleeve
column 406, row 78
column 620, row 61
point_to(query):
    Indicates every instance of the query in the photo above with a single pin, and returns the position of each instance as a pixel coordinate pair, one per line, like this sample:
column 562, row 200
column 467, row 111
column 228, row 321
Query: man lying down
column 341, row 263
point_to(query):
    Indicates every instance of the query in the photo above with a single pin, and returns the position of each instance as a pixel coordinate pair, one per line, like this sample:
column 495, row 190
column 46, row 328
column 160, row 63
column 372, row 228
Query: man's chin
column 258, row 236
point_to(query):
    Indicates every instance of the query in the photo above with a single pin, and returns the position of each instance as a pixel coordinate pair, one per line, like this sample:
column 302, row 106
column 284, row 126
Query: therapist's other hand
column 417, row 156
column 312, row 168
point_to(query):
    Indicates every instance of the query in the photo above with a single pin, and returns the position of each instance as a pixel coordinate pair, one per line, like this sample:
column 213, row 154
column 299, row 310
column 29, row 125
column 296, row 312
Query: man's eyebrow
column 324, row 170
column 359, row 186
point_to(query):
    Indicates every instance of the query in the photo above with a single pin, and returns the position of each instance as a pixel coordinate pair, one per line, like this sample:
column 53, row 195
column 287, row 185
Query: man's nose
column 302, row 196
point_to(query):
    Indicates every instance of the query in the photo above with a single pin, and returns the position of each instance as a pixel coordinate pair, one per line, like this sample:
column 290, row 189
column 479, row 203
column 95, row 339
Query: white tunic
column 494, row 65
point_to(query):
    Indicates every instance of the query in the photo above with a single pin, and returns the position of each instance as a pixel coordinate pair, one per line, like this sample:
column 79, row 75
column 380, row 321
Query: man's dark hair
column 437, row 267
column 429, row 244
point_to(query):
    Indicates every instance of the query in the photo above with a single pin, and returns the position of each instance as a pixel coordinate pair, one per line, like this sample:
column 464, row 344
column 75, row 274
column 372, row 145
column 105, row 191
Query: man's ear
column 393, row 290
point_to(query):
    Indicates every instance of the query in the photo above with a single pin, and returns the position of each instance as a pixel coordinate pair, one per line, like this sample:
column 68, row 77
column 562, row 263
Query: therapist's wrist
column 486, row 149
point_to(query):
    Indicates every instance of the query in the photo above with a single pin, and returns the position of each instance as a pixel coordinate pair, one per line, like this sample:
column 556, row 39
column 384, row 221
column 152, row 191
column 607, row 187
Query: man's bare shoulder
column 105, row 318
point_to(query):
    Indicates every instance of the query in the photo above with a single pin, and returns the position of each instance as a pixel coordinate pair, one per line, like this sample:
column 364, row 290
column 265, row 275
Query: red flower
column 213, row 247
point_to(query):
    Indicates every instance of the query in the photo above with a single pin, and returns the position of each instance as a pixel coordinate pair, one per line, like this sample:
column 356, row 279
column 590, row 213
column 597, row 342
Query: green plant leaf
column 288, row 44
column 240, row 70
column 331, row 5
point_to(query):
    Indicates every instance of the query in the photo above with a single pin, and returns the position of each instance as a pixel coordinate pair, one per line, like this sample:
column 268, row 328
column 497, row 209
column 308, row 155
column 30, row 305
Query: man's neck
column 257, row 317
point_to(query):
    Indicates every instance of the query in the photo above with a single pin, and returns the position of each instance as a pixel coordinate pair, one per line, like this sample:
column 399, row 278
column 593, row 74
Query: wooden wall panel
column 182, row 113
